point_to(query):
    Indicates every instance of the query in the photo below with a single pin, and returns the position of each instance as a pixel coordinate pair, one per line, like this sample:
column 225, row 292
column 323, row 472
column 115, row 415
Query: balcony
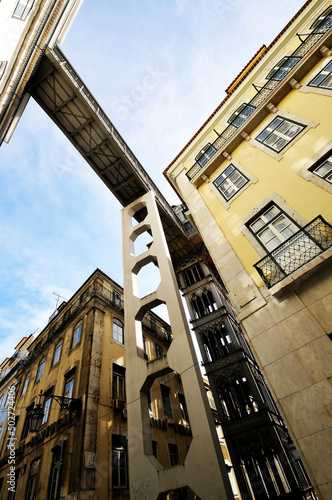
column 310, row 241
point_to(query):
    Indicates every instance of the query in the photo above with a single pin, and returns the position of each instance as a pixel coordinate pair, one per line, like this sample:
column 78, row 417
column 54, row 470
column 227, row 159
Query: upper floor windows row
column 275, row 75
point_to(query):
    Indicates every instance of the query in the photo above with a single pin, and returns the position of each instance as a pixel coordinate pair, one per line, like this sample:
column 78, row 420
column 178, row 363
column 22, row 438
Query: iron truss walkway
column 64, row 97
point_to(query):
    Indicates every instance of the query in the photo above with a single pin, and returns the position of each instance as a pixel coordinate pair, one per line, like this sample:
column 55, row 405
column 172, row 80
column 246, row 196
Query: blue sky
column 158, row 68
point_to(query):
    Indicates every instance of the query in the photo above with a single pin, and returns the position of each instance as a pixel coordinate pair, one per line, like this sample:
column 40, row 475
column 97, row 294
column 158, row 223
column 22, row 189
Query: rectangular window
column 272, row 228
column 154, row 449
column 173, row 454
column 32, row 482
column 230, row 182
column 118, row 330
column 116, row 298
column 25, row 384
column 57, row 353
column 119, row 382
column 47, row 406
column 206, row 154
column 324, row 169
column 166, row 401
column 324, row 78
column 119, row 461
column 159, row 351
column 282, row 68
column 3, row 65
column 22, row 9
column 69, row 384
column 40, row 370
column 77, row 334
column 279, row 133
column 56, row 471
column 183, row 407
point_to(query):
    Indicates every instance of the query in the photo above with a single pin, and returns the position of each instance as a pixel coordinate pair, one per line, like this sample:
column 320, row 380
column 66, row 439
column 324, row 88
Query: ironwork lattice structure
column 310, row 241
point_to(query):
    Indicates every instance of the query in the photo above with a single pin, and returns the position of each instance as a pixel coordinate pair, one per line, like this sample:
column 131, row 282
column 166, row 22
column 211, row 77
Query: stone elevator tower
column 204, row 470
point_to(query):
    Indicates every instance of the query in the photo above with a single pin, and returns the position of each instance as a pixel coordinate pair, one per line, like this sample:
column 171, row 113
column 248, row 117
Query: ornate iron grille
column 265, row 91
column 310, row 241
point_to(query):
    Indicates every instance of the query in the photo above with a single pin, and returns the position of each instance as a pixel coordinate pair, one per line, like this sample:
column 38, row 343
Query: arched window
column 194, row 308
column 200, row 306
column 323, row 21
column 77, row 334
column 118, row 330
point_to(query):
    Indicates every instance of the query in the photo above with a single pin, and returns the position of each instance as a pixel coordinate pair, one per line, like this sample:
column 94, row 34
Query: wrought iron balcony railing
column 310, row 241
column 262, row 95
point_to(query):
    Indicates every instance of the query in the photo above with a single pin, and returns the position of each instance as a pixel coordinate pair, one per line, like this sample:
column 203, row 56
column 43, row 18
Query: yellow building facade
column 78, row 363
column 257, row 182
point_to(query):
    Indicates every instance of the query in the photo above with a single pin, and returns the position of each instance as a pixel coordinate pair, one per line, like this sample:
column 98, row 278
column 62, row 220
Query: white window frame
column 121, row 454
column 115, row 330
column 276, row 199
column 46, row 408
column 77, row 334
column 40, row 369
column 57, row 349
column 307, row 174
column 27, row 6
column 69, row 381
column 244, row 172
column 304, row 122
column 119, row 383
column 25, row 384
column 270, row 224
column 279, row 135
column 305, row 83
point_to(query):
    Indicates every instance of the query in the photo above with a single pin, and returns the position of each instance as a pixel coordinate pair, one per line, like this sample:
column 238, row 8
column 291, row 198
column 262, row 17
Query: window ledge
column 301, row 274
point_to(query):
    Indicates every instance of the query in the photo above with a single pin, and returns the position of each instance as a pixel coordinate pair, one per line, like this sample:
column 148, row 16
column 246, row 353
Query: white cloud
column 58, row 221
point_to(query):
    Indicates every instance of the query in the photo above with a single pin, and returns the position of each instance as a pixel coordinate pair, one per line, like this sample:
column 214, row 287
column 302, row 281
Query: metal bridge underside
column 64, row 97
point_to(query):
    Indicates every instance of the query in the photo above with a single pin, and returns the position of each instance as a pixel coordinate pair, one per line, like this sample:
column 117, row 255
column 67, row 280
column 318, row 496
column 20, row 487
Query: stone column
column 204, row 470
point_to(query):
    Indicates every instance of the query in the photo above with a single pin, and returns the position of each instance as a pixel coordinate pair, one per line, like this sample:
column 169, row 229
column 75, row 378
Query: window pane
column 269, row 239
column 69, row 386
column 325, row 169
column 328, row 82
column 57, row 353
column 77, row 334
column 230, row 182
column 40, row 369
column 285, row 227
column 46, row 410
column 118, row 330
column 255, row 226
